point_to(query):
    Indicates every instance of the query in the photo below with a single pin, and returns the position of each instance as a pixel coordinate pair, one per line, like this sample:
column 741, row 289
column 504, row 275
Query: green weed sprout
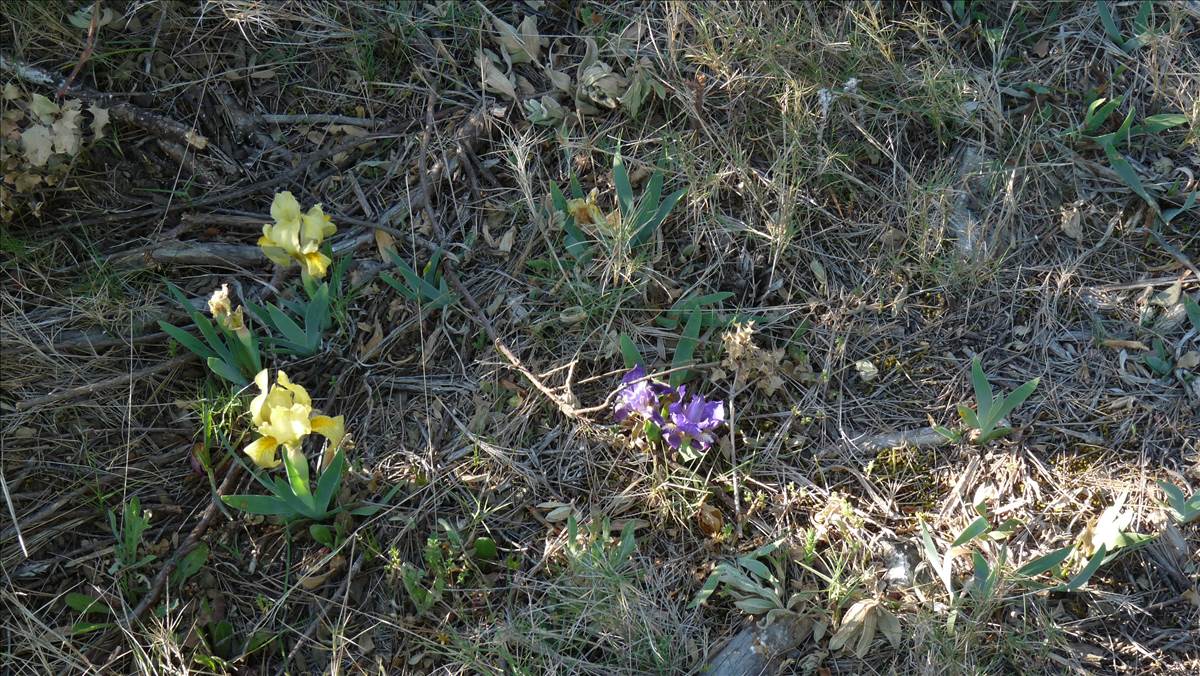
column 990, row 409
column 428, row 288
column 1184, row 509
column 753, row 586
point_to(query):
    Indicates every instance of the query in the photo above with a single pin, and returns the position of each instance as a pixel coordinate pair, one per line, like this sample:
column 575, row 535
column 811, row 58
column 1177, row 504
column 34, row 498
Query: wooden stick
column 451, row 272
column 92, row 388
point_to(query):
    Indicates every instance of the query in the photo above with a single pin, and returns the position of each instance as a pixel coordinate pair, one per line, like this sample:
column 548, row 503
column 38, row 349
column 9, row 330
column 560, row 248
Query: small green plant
column 294, row 498
column 1159, row 359
column 635, row 219
column 1094, row 118
column 230, row 348
column 990, row 409
column 1184, row 509
column 589, row 550
column 128, row 533
column 1192, row 308
column 644, row 217
column 426, row 594
column 1141, row 25
column 289, row 337
column 684, row 307
column 429, row 288
column 685, row 349
column 754, row 587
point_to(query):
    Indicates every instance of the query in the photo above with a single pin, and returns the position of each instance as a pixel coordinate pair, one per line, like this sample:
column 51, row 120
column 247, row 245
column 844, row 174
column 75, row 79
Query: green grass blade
column 1193, row 311
column 656, row 221
column 629, row 352
column 647, row 205
column 976, row 528
column 226, row 371
column 624, row 188
column 1098, row 112
column 398, row 286
column 1088, row 571
column 257, row 504
column 1141, row 26
column 1109, row 22
column 969, row 418
column 297, row 474
column 685, row 349
column 286, row 325
column 329, row 482
column 1158, row 123
column 1175, row 496
column 213, row 339
column 557, row 198
column 315, row 318
column 1016, row 398
column 984, row 396
column 187, row 340
column 1127, row 174
column 1044, row 563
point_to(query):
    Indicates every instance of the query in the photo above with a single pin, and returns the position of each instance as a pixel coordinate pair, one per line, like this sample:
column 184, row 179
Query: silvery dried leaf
column 44, row 108
column 36, row 143
column 83, row 17
column 559, row 80
column 494, row 79
column 544, row 111
column 866, row 370
column 99, row 119
column 600, row 85
column 65, row 131
column 523, row 45
column 589, row 54
column 854, row 623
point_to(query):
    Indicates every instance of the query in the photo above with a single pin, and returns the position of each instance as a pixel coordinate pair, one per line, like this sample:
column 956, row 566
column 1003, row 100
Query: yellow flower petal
column 288, row 425
column 333, row 429
column 299, row 394
column 273, row 253
column 262, row 452
column 316, row 264
column 316, row 226
column 285, row 209
column 218, row 304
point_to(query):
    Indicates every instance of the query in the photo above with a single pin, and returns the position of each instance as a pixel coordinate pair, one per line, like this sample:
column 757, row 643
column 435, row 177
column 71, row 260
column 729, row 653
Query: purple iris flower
column 639, row 398
column 692, row 422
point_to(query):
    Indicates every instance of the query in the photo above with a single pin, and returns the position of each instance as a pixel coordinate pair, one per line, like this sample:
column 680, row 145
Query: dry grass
column 839, row 160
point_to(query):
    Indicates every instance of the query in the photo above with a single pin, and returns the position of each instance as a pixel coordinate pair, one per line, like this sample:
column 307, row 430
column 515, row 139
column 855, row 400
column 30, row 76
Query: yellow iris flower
column 223, row 313
column 297, row 236
column 585, row 210
column 283, row 415
column 218, row 304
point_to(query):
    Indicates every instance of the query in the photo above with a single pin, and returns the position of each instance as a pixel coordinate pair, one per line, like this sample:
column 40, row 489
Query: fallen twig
column 189, row 543
column 919, row 438
column 92, row 388
column 152, row 122
column 217, row 198
column 451, row 273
